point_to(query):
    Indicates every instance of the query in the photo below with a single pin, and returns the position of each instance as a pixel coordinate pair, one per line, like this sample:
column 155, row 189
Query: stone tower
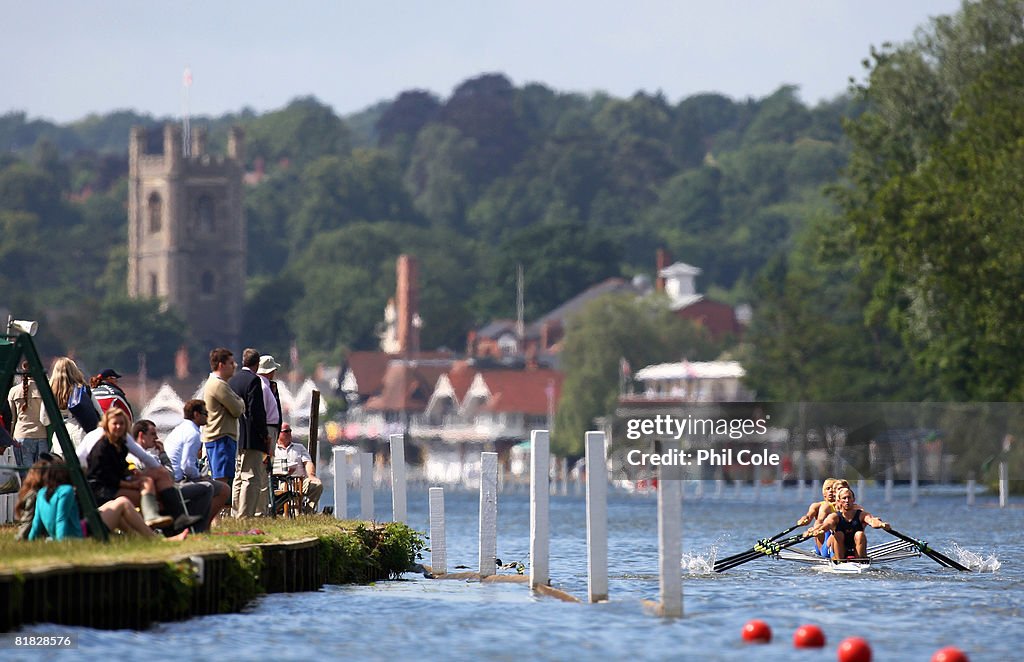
column 186, row 230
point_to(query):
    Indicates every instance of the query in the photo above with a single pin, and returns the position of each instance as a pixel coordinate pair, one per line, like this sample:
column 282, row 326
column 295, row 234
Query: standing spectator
column 108, row 392
column 182, row 446
column 251, row 488
column 271, row 398
column 220, row 436
column 29, row 429
column 79, row 409
column 300, row 464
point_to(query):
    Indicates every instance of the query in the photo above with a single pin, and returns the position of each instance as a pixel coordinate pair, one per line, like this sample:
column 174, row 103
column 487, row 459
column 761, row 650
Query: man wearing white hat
column 267, row 370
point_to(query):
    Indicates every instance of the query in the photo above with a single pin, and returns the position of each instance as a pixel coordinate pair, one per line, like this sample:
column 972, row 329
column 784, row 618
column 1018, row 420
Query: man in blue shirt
column 182, row 446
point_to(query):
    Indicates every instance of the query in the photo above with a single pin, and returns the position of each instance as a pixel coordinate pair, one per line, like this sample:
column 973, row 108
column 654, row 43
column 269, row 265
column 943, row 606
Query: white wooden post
column 670, row 545
column 438, row 551
column 540, row 462
column 757, row 484
column 888, row 484
column 738, row 485
column 340, row 460
column 488, row 513
column 366, row 485
column 565, row 476
column 914, row 460
column 970, row 492
column 398, row 502
column 719, row 486
column 1004, row 474
column 698, row 493
column 861, row 488
column 597, row 517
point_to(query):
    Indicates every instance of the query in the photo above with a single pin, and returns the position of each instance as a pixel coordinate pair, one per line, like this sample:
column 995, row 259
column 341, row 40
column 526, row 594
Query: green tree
column 123, row 328
column 935, row 194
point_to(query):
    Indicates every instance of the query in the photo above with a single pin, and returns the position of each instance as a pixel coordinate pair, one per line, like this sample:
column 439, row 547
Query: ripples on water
column 906, row 610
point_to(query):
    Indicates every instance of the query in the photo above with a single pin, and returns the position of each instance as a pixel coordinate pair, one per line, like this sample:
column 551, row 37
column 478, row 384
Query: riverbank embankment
column 132, row 583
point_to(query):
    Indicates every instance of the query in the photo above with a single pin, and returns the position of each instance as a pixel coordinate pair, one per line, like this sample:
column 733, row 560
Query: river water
column 905, row 611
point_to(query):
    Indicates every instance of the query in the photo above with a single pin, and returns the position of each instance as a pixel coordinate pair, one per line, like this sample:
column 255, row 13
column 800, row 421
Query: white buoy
column 597, row 517
column 757, row 484
column 862, row 487
column 719, row 486
column 698, row 493
column 366, row 485
column 970, row 492
column 488, row 513
column 670, row 545
column 340, row 459
column 398, row 503
column 438, row 551
column 540, row 463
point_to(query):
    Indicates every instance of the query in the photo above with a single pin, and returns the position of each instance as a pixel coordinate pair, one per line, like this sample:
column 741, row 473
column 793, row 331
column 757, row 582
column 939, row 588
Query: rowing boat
column 888, row 552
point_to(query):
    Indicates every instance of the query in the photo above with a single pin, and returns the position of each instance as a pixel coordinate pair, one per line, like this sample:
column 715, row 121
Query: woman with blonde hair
column 108, row 474
column 79, row 409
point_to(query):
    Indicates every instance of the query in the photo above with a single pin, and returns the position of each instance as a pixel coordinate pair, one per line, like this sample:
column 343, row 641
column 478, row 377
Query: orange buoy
column 949, row 654
column 757, row 632
column 808, row 636
column 854, row 649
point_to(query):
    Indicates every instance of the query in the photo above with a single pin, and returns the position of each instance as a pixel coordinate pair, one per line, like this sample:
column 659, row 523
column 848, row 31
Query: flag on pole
column 624, row 368
column 186, row 77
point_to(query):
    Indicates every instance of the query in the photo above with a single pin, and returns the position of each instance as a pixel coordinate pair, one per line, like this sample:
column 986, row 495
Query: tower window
column 205, row 213
column 154, row 289
column 156, row 210
column 206, row 284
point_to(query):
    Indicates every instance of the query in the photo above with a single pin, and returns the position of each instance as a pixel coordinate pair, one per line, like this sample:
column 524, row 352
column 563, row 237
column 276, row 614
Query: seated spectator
column 299, row 464
column 25, row 508
column 108, row 474
column 183, row 446
column 57, row 515
column 198, row 497
column 109, row 394
column 148, row 468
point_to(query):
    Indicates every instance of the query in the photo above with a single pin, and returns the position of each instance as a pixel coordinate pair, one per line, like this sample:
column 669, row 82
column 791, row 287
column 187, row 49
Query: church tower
column 186, row 230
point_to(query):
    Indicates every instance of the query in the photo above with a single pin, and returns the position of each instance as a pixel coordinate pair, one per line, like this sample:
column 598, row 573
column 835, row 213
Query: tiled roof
column 575, row 304
column 406, row 386
column 522, row 391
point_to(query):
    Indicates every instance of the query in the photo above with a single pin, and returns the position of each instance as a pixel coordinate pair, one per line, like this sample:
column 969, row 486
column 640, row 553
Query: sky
column 65, row 60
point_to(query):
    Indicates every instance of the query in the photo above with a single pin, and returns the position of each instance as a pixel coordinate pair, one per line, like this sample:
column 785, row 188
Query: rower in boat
column 818, row 511
column 848, row 539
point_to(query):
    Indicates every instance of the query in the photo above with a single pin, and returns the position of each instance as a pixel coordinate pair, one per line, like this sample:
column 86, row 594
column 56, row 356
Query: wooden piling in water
column 597, row 518
column 366, row 486
column 540, row 463
column 670, row 545
column 398, row 501
column 488, row 513
column 438, row 545
column 340, row 459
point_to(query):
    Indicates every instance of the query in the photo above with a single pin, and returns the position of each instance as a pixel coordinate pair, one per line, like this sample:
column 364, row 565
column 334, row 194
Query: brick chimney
column 407, row 300
column 181, row 363
column 662, row 259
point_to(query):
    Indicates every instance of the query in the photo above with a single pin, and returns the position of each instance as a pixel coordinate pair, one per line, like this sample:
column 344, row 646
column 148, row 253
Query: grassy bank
column 358, row 550
column 132, row 582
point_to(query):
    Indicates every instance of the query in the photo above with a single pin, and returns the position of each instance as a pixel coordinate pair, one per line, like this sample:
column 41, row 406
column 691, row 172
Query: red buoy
column 757, row 632
column 808, row 636
column 854, row 649
column 949, row 654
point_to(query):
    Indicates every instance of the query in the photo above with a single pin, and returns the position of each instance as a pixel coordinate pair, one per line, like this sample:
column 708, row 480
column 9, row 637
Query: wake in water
column 975, row 561
column 697, row 564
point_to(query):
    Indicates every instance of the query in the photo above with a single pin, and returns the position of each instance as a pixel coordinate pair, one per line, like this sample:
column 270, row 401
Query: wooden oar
column 939, row 558
column 752, row 549
column 763, row 548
